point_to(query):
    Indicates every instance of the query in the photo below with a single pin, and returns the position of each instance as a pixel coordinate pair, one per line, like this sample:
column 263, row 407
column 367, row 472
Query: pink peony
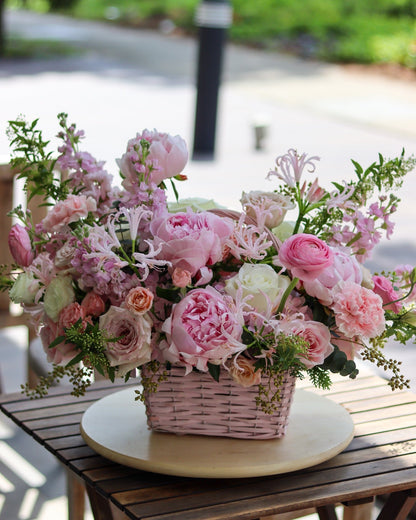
column 316, row 334
column 384, row 288
column 306, row 256
column 73, row 208
column 132, row 348
column 202, row 328
column 191, row 240
column 345, row 268
column 358, row 311
column 166, row 157
column 20, row 246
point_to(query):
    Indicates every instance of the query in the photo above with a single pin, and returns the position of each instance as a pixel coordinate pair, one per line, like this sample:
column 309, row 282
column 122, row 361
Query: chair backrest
column 7, row 203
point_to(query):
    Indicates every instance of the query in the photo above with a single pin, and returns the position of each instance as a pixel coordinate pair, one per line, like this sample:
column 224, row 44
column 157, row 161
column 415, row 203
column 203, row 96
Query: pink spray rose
column 20, row 245
column 384, row 288
column 358, row 311
column 70, row 315
column 132, row 348
column 244, row 373
column 345, row 268
column 316, row 334
column 191, row 240
column 202, row 328
column 306, row 256
column 181, row 277
column 166, row 157
column 73, row 208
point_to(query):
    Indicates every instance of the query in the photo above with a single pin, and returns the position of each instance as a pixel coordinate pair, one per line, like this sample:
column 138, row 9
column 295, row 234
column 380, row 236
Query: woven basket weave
column 197, row 404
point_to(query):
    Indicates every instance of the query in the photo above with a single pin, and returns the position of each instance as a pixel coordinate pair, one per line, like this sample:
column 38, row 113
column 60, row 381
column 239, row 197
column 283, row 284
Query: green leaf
column 77, row 359
column 214, row 370
column 172, row 295
column 57, row 341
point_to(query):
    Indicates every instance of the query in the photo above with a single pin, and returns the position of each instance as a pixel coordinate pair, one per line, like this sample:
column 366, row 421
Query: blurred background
column 334, row 79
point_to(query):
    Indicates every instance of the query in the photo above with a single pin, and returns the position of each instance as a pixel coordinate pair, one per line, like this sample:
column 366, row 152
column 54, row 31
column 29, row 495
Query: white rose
column 59, row 293
column 272, row 205
column 261, row 282
column 24, row 289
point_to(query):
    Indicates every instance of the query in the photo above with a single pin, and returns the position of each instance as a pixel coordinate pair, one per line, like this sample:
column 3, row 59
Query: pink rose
column 132, row 349
column 70, row 315
column 191, row 240
column 73, row 208
column 244, row 373
column 306, row 256
column 358, row 311
column 202, row 328
column 384, row 288
column 166, row 157
column 62, row 353
column 20, row 246
column 345, row 268
column 139, row 300
column 316, row 334
column 93, row 304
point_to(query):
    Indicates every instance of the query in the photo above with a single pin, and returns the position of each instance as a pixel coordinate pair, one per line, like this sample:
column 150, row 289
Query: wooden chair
column 35, row 368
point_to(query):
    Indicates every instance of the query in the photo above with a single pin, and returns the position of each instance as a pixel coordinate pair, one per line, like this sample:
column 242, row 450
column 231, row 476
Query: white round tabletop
column 116, row 428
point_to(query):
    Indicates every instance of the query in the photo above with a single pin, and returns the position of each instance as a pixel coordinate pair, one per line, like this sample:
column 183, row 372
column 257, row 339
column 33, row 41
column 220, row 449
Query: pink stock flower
column 166, row 157
column 317, row 336
column 20, row 246
column 132, row 335
column 191, row 240
column 358, row 311
column 306, row 256
column 72, row 209
column 202, row 328
column 345, row 268
column 384, row 288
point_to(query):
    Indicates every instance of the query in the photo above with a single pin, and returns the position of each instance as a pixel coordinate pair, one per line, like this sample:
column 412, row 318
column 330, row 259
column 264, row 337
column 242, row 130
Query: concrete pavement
column 124, row 80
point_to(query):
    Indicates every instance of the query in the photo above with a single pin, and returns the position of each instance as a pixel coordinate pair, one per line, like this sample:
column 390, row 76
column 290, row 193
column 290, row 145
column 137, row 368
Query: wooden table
column 381, row 460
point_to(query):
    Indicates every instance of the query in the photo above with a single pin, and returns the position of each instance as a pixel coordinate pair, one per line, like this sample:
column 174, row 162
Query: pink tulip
column 20, row 246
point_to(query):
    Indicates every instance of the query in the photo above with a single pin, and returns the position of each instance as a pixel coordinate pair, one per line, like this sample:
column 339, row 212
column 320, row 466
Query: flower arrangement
column 117, row 279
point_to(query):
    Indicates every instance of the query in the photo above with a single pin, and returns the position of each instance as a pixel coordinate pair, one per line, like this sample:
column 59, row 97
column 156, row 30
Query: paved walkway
column 125, row 80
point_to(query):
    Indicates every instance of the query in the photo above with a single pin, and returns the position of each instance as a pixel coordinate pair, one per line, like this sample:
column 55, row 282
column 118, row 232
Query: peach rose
column 243, row 372
column 139, row 300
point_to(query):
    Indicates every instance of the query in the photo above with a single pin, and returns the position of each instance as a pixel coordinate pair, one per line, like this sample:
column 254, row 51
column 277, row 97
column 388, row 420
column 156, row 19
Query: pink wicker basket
column 197, row 404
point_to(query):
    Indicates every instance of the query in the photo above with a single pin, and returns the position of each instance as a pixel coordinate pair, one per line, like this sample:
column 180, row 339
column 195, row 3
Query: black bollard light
column 213, row 17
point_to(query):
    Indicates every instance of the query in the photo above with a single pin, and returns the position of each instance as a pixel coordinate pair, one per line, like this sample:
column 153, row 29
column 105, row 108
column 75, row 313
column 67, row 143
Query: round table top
column 116, row 428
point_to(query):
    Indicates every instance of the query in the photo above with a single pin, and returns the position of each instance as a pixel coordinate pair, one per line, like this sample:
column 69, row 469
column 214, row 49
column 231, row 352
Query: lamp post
column 213, row 17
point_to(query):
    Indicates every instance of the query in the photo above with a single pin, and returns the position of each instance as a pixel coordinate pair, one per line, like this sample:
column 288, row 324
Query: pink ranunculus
column 167, row 157
column 203, row 327
column 20, row 245
column 191, row 240
column 73, row 208
column 345, row 268
column 132, row 348
column 384, row 288
column 305, row 256
column 93, row 304
column 316, row 334
column 358, row 311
